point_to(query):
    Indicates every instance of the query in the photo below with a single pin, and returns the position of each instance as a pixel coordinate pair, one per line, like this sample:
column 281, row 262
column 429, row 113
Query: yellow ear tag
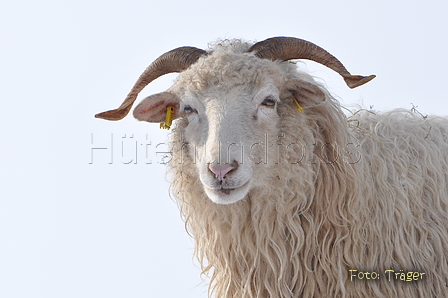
column 298, row 106
column 168, row 118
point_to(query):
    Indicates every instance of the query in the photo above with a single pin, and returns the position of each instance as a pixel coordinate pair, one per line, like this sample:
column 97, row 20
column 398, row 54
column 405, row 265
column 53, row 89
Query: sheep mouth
column 226, row 196
column 228, row 191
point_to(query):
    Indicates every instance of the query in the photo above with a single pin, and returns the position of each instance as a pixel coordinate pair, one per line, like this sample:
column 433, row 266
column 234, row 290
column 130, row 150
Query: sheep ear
column 153, row 108
column 305, row 93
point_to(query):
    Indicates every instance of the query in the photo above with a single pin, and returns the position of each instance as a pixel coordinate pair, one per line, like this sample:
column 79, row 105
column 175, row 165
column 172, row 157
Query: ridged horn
column 175, row 60
column 287, row 48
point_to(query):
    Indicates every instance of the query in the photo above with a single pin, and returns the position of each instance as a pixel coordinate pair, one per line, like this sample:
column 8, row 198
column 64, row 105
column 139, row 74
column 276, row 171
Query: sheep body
column 382, row 205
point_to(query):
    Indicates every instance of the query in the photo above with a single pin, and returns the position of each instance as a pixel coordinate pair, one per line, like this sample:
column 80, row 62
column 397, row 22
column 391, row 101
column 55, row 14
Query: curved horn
column 175, row 60
column 287, row 48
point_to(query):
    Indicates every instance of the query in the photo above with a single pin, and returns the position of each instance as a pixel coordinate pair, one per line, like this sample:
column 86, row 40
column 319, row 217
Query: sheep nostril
column 220, row 171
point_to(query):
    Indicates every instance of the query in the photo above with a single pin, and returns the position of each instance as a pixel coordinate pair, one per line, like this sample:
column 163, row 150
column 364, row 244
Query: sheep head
column 228, row 100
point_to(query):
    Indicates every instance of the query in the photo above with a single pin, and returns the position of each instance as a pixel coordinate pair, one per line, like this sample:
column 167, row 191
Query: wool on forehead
column 228, row 65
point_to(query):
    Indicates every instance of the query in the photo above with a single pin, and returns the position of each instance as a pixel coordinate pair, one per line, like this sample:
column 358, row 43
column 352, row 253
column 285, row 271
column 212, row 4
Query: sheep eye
column 268, row 102
column 188, row 109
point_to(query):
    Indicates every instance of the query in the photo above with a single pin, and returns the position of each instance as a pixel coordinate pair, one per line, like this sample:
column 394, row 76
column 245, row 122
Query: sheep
column 284, row 194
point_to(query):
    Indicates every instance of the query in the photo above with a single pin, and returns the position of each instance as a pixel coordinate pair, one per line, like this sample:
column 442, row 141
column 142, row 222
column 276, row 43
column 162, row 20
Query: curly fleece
column 370, row 195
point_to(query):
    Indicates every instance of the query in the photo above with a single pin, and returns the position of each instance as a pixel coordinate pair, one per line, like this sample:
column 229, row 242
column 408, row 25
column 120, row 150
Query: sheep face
column 229, row 104
column 228, row 130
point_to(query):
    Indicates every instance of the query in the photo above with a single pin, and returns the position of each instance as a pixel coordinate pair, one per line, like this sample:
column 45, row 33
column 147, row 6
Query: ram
column 284, row 194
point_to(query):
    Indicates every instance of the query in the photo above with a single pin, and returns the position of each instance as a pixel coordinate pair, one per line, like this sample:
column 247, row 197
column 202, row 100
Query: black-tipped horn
column 175, row 60
column 287, row 48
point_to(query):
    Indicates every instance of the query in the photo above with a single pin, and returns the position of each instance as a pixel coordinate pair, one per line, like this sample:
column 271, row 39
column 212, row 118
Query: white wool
column 366, row 193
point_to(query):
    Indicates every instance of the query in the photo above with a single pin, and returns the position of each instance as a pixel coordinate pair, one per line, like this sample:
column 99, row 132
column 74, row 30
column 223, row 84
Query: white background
column 73, row 225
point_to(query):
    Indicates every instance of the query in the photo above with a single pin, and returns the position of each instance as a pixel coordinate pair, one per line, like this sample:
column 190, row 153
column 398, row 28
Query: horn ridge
column 287, row 48
column 176, row 60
